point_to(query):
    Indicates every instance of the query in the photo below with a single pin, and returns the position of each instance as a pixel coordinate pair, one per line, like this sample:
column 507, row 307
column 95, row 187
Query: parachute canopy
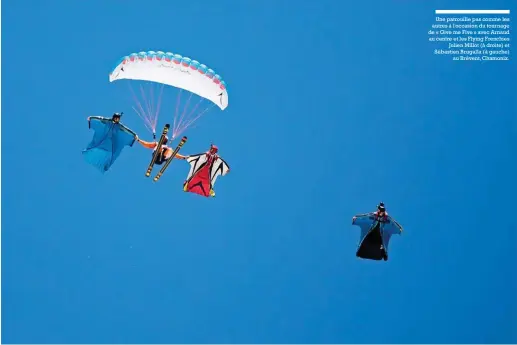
column 108, row 142
column 173, row 70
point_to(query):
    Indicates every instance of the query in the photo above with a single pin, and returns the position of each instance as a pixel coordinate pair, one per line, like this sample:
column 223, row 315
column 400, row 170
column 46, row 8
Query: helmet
column 381, row 207
column 117, row 115
column 213, row 148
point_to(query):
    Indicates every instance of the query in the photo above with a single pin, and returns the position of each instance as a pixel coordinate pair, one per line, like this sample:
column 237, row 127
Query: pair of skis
column 158, row 152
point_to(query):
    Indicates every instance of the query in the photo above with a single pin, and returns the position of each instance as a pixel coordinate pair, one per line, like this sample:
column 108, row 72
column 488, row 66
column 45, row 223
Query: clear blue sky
column 333, row 106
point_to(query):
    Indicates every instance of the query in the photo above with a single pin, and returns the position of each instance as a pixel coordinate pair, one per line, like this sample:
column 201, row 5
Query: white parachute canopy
column 176, row 71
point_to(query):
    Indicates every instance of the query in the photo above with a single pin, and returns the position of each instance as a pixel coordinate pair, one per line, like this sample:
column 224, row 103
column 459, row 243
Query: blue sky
column 333, row 107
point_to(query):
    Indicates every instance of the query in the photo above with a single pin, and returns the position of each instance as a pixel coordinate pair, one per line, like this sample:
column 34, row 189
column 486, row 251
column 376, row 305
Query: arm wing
column 97, row 122
column 395, row 227
column 219, row 168
column 127, row 135
column 364, row 221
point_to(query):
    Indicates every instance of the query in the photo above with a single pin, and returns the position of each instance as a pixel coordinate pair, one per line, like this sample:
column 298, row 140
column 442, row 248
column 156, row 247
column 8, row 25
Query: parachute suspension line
column 181, row 125
column 141, row 112
column 193, row 115
column 150, row 103
column 159, row 106
column 178, row 101
column 154, row 107
column 148, row 106
column 148, row 126
column 148, row 112
column 185, row 109
column 191, row 121
column 177, row 122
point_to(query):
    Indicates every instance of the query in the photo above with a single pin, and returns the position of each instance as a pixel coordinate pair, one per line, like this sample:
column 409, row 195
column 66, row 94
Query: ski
column 180, row 145
column 158, row 149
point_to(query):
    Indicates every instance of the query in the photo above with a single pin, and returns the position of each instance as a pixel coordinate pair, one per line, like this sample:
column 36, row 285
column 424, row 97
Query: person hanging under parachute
column 108, row 141
column 376, row 230
column 163, row 154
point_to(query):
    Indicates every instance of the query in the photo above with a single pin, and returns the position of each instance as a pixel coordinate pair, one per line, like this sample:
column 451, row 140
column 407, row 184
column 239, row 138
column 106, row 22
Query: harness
column 160, row 158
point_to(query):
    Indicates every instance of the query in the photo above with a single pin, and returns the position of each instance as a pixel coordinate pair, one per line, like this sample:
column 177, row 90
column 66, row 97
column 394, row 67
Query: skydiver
column 165, row 153
column 205, row 167
column 385, row 223
column 110, row 138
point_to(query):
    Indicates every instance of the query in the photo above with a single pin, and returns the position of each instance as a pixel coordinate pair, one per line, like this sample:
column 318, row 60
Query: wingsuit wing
column 107, row 143
column 364, row 221
column 219, row 168
column 201, row 177
column 394, row 227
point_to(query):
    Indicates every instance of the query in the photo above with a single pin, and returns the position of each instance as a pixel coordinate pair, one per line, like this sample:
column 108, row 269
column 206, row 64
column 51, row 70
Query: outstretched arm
column 362, row 218
column 146, row 144
column 178, row 156
column 397, row 228
column 95, row 121
column 100, row 118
